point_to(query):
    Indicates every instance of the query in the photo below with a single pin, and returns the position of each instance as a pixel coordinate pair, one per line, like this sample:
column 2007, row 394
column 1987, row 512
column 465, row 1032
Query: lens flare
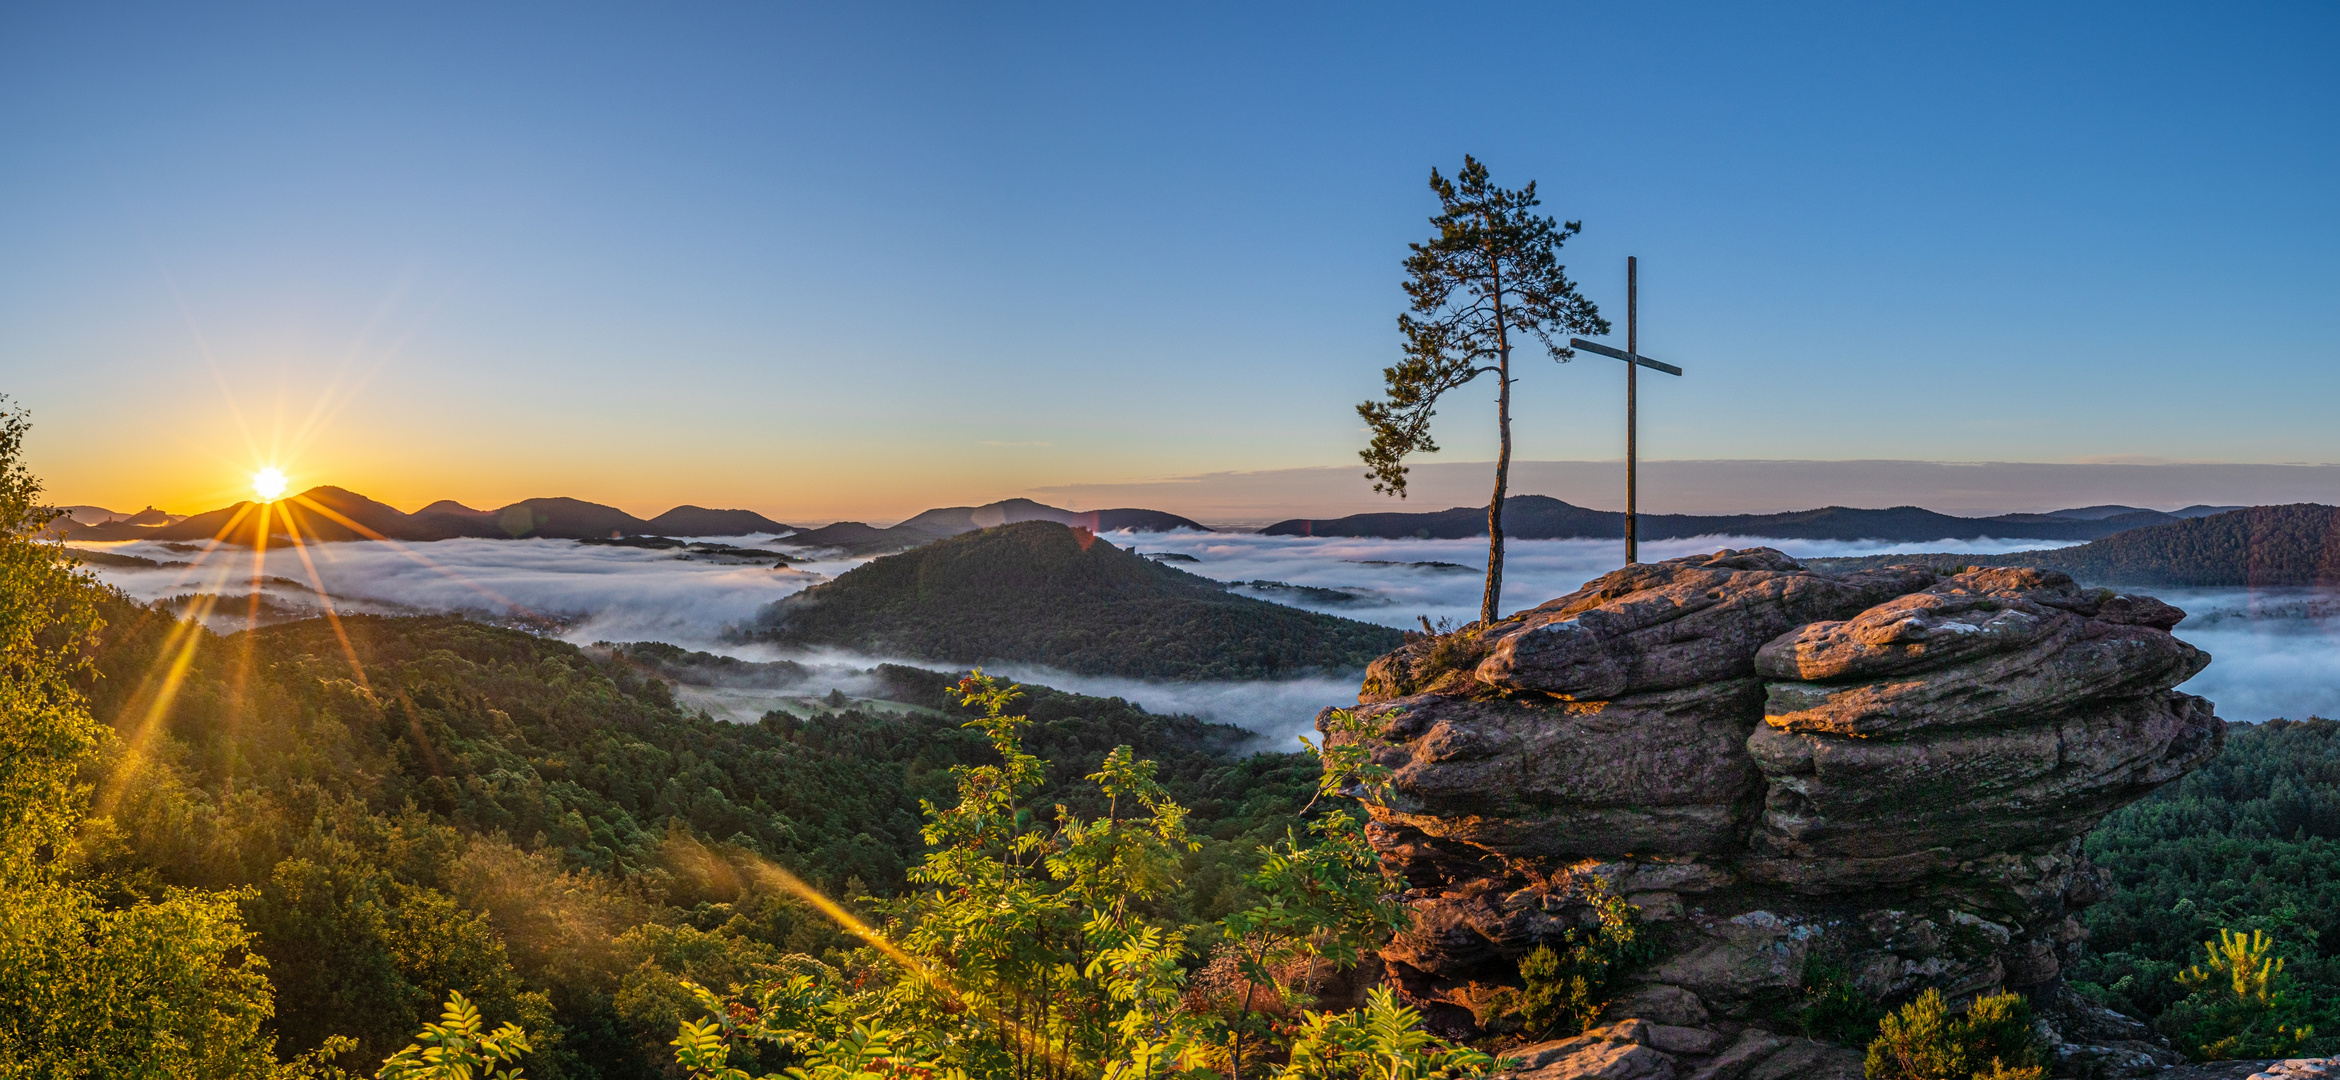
column 268, row 483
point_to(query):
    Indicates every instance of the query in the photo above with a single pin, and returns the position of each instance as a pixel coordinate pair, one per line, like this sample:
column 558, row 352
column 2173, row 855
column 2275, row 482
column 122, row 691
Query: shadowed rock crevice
column 1883, row 774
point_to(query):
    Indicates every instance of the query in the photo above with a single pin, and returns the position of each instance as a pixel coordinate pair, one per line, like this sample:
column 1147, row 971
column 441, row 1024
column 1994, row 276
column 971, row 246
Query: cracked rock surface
column 1879, row 777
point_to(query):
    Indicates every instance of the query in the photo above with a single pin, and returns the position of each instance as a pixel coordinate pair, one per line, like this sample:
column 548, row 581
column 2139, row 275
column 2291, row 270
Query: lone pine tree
column 1492, row 273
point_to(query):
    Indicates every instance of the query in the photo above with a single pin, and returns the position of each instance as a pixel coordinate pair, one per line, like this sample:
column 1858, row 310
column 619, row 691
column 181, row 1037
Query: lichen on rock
column 1883, row 773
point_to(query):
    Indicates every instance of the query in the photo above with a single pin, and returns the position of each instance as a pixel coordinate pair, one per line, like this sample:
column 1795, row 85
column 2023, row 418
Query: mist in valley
column 2272, row 647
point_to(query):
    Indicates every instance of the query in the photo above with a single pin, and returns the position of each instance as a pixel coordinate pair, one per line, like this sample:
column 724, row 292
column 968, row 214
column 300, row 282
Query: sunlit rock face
column 1881, row 777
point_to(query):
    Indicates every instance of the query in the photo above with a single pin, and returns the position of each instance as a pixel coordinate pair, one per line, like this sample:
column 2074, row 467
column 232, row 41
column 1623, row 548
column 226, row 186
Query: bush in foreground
column 1993, row 1040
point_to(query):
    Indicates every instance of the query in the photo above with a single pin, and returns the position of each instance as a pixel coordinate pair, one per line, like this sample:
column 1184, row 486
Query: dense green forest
column 2249, row 842
column 498, row 814
column 1042, row 593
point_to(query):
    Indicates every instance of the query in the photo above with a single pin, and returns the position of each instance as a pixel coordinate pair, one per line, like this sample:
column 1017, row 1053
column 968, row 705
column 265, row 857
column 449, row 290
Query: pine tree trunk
column 1494, row 596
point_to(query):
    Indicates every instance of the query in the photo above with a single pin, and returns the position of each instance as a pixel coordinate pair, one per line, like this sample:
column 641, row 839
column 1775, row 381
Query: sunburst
column 269, row 484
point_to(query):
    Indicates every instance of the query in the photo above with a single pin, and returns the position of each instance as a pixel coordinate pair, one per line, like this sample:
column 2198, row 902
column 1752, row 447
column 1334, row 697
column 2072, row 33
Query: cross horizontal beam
column 1597, row 347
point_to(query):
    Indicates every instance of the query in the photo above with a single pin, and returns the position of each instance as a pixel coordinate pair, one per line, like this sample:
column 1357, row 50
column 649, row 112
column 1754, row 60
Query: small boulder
column 1736, row 960
column 1761, row 1055
column 1618, row 1052
column 1659, row 1003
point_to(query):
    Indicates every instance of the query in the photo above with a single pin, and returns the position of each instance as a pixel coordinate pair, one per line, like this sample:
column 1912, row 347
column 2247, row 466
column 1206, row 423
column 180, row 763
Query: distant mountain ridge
column 2099, row 513
column 2258, row 546
column 329, row 513
column 856, row 538
column 333, row 514
column 1539, row 517
column 1043, row 593
column 99, row 515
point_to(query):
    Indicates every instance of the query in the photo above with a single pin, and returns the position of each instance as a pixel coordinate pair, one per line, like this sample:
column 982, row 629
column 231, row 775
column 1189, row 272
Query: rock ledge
column 1877, row 777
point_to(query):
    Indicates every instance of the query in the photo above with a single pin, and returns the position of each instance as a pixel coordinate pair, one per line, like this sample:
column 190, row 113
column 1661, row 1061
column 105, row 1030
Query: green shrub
column 1383, row 1040
column 1992, row 1041
column 459, row 1048
column 1833, row 1009
column 2235, row 1006
column 1566, row 988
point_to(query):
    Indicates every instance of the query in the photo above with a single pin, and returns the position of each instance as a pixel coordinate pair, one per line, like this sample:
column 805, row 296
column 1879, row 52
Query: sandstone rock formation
column 1878, row 777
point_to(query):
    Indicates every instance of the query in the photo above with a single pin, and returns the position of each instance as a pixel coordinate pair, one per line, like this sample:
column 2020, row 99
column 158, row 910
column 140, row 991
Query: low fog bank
column 2274, row 649
column 1278, row 710
column 1385, row 581
column 2274, row 652
column 585, row 592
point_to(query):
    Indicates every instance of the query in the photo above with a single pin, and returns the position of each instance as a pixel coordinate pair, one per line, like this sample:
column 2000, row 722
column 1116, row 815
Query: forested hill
column 1538, row 517
column 2298, row 544
column 2261, row 546
column 490, row 812
column 1038, row 592
column 2249, row 842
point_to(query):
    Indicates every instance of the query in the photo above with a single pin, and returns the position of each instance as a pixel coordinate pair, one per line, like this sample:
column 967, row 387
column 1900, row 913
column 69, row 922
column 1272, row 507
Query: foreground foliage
column 1991, row 1040
column 1564, row 990
column 459, row 1049
column 159, row 987
column 1033, row 950
column 2235, row 1006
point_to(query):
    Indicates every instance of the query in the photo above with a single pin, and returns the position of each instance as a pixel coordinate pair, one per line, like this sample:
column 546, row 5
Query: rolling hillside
column 2260, row 546
column 700, row 521
column 1039, row 592
column 856, row 538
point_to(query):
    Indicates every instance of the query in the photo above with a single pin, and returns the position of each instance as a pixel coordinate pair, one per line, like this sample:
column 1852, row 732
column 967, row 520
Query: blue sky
column 858, row 260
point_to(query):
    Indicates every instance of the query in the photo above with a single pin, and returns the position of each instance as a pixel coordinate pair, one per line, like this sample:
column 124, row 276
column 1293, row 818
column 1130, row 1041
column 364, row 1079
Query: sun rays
column 284, row 521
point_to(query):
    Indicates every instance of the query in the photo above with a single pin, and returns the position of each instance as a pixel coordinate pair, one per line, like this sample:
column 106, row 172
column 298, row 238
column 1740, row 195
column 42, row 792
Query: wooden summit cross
column 1634, row 361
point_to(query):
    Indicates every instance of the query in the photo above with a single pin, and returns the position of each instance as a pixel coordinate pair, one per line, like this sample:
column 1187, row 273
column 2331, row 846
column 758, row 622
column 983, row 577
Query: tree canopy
column 1490, row 276
column 161, row 987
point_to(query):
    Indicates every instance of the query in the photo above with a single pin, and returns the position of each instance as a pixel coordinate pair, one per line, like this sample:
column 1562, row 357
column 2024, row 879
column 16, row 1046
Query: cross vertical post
column 1632, row 385
column 1631, row 354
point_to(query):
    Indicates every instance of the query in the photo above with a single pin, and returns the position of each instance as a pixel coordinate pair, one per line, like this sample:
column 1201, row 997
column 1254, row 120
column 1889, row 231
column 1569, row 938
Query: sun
column 268, row 483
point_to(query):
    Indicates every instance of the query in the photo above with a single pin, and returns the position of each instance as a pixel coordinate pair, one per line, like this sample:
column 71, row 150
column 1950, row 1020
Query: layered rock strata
column 1879, row 778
